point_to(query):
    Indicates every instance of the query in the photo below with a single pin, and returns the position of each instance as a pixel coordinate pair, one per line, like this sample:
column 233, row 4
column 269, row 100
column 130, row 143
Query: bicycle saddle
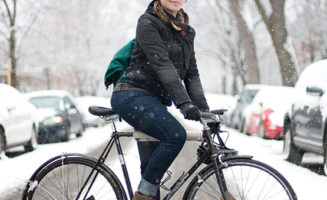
column 101, row 111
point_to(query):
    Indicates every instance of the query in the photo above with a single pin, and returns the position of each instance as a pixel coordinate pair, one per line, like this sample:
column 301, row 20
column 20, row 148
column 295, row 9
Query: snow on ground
column 16, row 171
column 307, row 184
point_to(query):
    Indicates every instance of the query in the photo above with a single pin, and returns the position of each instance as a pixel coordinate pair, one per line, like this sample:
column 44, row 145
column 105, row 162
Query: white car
column 17, row 124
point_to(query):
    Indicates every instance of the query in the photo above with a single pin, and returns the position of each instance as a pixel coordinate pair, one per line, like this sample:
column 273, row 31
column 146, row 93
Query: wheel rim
column 65, row 181
column 243, row 182
column 287, row 143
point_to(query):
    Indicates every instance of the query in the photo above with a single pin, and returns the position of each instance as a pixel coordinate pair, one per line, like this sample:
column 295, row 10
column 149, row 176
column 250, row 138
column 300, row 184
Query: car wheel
column 2, row 141
column 261, row 130
column 290, row 151
column 81, row 130
column 325, row 153
column 240, row 125
column 67, row 133
column 32, row 144
column 243, row 127
column 325, row 160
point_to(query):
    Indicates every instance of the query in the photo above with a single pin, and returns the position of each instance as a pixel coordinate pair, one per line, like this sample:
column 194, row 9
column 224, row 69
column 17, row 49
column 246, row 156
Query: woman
column 162, row 70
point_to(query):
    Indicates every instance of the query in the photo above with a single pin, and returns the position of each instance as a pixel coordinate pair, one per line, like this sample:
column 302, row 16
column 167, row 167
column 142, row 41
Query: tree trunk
column 13, row 59
column 248, row 44
column 275, row 24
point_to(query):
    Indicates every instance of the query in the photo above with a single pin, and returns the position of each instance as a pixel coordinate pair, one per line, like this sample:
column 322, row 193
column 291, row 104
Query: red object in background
column 277, row 131
column 271, row 130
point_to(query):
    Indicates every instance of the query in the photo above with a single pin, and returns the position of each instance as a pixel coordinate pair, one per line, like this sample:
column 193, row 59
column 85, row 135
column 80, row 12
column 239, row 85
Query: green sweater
column 117, row 66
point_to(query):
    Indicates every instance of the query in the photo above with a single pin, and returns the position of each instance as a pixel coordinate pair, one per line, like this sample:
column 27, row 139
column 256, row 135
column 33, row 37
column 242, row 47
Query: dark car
column 236, row 119
column 305, row 124
column 57, row 115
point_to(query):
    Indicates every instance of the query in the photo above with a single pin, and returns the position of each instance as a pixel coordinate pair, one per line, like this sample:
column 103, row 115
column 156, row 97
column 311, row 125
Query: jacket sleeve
column 194, row 87
column 150, row 41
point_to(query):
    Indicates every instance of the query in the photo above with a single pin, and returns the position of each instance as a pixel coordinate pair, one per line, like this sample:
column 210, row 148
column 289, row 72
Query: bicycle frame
column 210, row 153
column 102, row 158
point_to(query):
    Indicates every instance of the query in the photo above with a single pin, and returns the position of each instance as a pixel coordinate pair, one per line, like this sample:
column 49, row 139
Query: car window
column 249, row 95
column 47, row 102
column 68, row 102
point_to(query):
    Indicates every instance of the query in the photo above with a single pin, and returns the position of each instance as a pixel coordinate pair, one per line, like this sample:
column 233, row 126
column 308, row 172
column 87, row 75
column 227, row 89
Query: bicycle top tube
column 108, row 112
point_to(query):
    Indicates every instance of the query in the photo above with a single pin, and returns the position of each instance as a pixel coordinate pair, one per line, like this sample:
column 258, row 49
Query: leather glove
column 190, row 111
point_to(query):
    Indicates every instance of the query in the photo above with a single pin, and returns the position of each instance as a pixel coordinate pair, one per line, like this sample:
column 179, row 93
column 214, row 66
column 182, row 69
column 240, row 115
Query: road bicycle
column 226, row 175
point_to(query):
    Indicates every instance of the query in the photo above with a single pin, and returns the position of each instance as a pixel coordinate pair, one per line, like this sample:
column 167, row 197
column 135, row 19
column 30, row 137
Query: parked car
column 84, row 102
column 17, row 125
column 57, row 115
column 244, row 98
column 305, row 123
column 265, row 115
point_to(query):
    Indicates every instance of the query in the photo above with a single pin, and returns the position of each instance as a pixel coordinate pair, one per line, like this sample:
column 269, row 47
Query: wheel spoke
column 63, row 180
column 245, row 179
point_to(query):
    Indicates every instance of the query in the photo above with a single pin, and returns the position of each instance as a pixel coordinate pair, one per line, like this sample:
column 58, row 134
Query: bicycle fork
column 226, row 195
column 217, row 158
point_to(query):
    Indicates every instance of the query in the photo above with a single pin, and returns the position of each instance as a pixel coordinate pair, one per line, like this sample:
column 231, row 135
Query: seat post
column 114, row 125
column 123, row 164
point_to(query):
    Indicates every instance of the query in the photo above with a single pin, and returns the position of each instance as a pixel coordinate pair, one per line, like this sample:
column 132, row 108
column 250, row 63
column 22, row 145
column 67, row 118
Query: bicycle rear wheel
column 63, row 177
column 246, row 179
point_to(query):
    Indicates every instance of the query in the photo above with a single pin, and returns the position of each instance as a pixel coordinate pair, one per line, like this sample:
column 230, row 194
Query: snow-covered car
column 84, row 102
column 305, row 123
column 17, row 124
column 221, row 101
column 58, row 116
column 265, row 115
column 245, row 97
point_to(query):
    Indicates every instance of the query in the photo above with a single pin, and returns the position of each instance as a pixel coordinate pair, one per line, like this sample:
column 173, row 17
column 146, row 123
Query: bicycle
column 226, row 176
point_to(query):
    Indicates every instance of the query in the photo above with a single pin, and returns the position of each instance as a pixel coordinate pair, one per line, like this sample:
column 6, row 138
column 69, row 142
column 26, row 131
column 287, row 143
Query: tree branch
column 9, row 13
column 262, row 12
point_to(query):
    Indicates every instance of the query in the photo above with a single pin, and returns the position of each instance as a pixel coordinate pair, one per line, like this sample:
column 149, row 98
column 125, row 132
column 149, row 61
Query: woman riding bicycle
column 162, row 70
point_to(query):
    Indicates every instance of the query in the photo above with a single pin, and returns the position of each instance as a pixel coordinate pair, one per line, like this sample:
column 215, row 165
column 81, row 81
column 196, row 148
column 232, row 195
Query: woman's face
column 173, row 6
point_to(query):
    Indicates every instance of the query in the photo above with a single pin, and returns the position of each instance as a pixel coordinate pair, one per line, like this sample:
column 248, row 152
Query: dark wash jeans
column 145, row 113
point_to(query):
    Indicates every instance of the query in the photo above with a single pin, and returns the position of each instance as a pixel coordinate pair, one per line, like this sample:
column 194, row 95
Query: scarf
column 179, row 23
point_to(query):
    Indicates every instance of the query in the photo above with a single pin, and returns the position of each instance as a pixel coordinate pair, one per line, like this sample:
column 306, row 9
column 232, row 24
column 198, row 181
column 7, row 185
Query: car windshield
column 249, row 95
column 46, row 102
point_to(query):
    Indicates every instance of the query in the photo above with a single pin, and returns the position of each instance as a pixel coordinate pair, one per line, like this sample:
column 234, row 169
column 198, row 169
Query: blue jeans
column 146, row 113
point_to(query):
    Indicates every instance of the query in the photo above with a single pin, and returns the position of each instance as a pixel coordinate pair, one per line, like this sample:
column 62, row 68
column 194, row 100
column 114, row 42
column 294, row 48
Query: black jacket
column 162, row 58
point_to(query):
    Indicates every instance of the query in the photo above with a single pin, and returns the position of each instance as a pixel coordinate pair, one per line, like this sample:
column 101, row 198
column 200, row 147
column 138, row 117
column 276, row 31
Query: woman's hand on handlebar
column 190, row 111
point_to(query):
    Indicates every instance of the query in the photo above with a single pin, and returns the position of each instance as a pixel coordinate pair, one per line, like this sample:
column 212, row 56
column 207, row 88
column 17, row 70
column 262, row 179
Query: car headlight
column 53, row 120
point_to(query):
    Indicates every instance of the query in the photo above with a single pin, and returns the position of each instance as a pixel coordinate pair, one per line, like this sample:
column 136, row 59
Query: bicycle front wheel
column 63, row 177
column 246, row 179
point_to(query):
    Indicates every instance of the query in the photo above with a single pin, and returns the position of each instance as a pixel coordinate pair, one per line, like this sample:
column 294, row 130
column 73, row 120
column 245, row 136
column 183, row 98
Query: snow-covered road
column 14, row 172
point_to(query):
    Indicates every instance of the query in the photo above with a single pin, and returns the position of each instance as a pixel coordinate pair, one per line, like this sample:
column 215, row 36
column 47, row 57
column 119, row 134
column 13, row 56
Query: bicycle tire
column 61, row 178
column 245, row 179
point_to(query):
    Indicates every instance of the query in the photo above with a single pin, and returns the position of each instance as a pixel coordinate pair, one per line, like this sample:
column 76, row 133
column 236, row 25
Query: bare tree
column 248, row 44
column 275, row 23
column 220, row 39
column 11, row 21
column 8, row 15
column 308, row 31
